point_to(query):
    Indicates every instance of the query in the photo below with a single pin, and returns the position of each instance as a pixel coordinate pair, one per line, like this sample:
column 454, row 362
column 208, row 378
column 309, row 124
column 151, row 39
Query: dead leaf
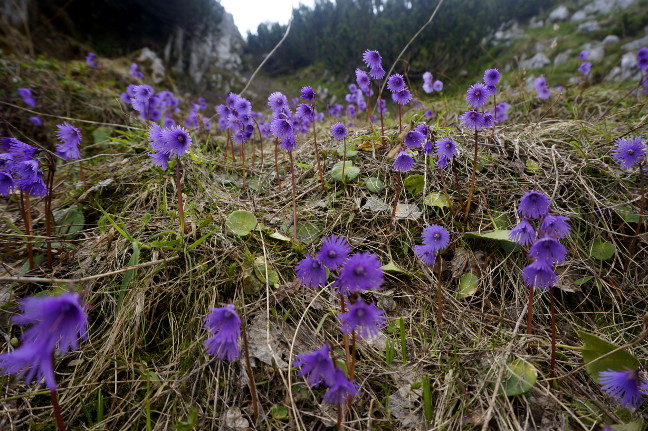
column 407, row 212
column 269, row 351
column 234, row 419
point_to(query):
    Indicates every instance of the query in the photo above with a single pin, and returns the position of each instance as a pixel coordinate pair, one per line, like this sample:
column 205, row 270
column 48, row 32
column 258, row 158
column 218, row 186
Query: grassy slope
column 144, row 363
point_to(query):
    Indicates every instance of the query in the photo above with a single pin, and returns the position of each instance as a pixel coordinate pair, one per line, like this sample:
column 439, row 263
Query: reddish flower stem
column 398, row 190
column 294, row 205
column 457, row 185
column 445, row 192
column 243, row 162
column 28, row 229
column 276, row 151
column 642, row 204
column 317, row 154
column 183, row 226
column 552, row 368
column 248, row 367
column 382, row 122
column 530, row 312
column 472, row 179
column 57, row 411
column 49, row 220
column 439, row 296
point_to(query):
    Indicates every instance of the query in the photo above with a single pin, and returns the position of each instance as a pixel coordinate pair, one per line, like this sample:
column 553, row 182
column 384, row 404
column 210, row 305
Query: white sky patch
column 248, row 14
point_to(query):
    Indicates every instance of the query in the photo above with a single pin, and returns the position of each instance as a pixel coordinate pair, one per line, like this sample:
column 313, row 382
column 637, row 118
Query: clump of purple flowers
column 435, row 239
column 224, row 326
column 540, row 85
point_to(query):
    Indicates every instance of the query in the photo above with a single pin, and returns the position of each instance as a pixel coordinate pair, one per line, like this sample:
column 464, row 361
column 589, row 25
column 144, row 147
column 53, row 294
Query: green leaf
column 626, row 213
column 520, row 377
column 392, row 267
column 101, row 134
column 279, row 412
column 350, row 171
column 595, row 347
column 241, row 222
column 582, row 280
column 498, row 234
column 414, row 184
column 436, row 200
column 260, row 272
column 350, row 150
column 70, row 222
column 532, row 167
column 308, row 232
column 468, row 284
column 602, row 250
column 279, row 236
column 637, row 425
column 374, row 185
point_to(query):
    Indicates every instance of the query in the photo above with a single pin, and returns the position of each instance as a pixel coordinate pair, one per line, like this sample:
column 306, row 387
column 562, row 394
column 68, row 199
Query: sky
column 248, row 14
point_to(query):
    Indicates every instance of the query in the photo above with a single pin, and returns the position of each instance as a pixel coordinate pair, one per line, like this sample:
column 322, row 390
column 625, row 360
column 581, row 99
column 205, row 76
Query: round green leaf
column 308, row 232
column 374, row 185
column 350, row 150
column 279, row 412
column 241, row 222
column 520, row 377
column 595, row 347
column 468, row 284
column 414, row 184
column 436, row 200
column 350, row 171
column 602, row 250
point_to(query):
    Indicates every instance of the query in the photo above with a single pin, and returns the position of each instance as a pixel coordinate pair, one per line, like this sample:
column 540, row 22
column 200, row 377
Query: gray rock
column 579, row 16
column 606, row 6
column 589, row 26
column 562, row 57
column 627, row 69
column 535, row 22
column 610, row 38
column 596, row 51
column 635, row 44
column 152, row 64
column 561, row 13
column 537, row 61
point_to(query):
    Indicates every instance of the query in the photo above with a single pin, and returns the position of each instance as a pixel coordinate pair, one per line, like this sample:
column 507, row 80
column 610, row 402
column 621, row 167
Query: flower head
column 477, row 95
column 160, row 159
column 534, row 205
column 585, row 68
column 523, row 233
column 438, row 85
column 629, row 151
column 473, row 120
column 549, row 250
column 177, row 141
column 436, row 237
column 396, row 83
column 363, row 80
column 19, row 151
column 134, row 71
column 338, row 131
column 365, row 319
column 427, row 77
column 311, row 272
column 539, row 275
column 341, row 389
column 33, row 361
column 555, row 226
column 70, row 138
column 277, row 102
column 372, row 59
column 492, row 77
column 225, row 327
column 426, row 253
column 428, row 113
column 36, row 120
column 26, row 95
column 583, row 55
column 362, row 271
column 6, row 183
column 402, row 97
column 445, row 148
column 428, row 148
column 624, row 386
column 317, row 367
column 414, row 139
column 307, row 93
column 540, row 85
column 403, row 162
column 91, row 59
column 334, row 252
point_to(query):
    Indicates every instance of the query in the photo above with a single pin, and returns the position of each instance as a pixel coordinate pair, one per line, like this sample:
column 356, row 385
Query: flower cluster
column 56, row 325
column 167, row 143
column 414, row 139
column 540, row 85
column 545, row 249
column 478, row 96
column 430, row 85
column 224, row 325
column 134, row 71
column 236, row 115
column 69, row 138
column 20, row 167
column 400, row 93
column 629, row 151
column 500, row 112
column 152, row 106
column 318, row 368
column 282, row 123
column 435, row 239
column 585, row 66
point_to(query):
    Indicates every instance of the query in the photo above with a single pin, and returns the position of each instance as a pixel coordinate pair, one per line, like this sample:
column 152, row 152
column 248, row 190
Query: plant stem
column 530, row 312
column 400, row 119
column 227, row 144
column 552, row 369
column 382, row 123
column 338, row 426
column 82, row 175
column 294, row 205
column 28, row 228
column 457, row 185
column 439, row 296
column 398, row 190
column 248, row 367
column 276, row 151
column 353, row 355
column 472, row 180
column 344, row 151
column 317, row 154
column 49, row 220
column 57, row 411
column 642, row 204
column 183, row 226
column 345, row 337
column 445, row 192
column 243, row 162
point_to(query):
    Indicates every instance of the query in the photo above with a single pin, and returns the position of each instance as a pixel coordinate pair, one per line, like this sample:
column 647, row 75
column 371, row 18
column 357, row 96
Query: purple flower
column 277, row 102
column 492, row 77
column 225, row 327
column 445, row 148
column 472, row 120
column 555, row 226
column 33, row 361
column 428, row 87
column 31, row 178
column 427, row 77
column 539, row 275
column 304, row 112
column 540, row 85
column 307, row 93
column 55, row 320
column 341, row 389
column 365, row 319
column 372, row 59
column 6, row 183
column 91, row 59
column 143, row 92
column 534, row 205
column 160, row 159
column 361, row 272
column 426, row 253
column 436, row 237
column 585, row 68
column 624, row 386
column 134, row 71
column 428, row 148
column 402, row 97
column 282, row 126
column 396, row 83
column 288, row 143
column 338, row 131
column 549, row 250
column 70, row 138
column 583, row 55
column 403, row 162
column 488, row 120
column 477, row 95
column 438, row 85
column 523, row 233
column 363, row 80
column 629, row 151
column 334, row 251
column 414, row 139
column 36, row 120
column 311, row 272
column 428, row 113
column 26, row 95
column 177, row 141
column 317, row 367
